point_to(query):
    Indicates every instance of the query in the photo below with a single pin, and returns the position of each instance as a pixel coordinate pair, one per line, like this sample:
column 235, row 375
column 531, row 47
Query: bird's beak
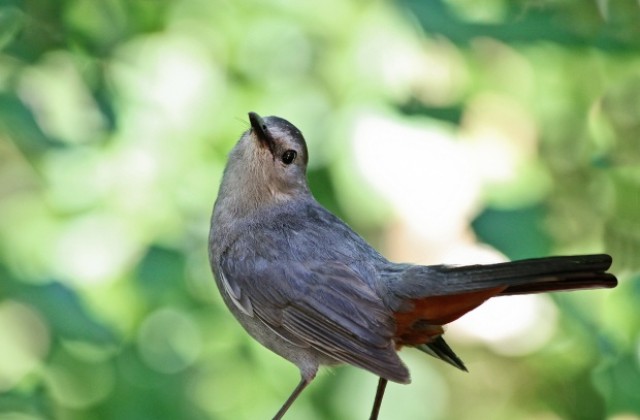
column 260, row 130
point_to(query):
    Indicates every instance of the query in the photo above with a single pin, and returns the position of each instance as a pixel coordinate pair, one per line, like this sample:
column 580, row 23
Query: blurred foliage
column 115, row 120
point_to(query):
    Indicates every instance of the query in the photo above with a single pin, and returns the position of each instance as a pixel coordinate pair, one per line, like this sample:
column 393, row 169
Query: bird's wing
column 326, row 306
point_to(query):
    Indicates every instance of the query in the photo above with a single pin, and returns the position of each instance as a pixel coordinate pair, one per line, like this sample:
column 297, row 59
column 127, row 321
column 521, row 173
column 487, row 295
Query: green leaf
column 11, row 23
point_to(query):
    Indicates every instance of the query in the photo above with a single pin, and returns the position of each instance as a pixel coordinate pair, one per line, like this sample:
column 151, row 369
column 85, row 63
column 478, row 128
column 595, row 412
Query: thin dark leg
column 301, row 385
column 382, row 384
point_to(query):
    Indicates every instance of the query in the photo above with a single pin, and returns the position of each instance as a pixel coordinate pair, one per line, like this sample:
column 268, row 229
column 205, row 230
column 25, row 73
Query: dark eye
column 288, row 156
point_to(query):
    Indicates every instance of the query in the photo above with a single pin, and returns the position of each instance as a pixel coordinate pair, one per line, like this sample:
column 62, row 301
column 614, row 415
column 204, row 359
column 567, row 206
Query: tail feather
column 568, row 282
column 437, row 295
column 441, row 350
column 538, row 275
column 524, row 276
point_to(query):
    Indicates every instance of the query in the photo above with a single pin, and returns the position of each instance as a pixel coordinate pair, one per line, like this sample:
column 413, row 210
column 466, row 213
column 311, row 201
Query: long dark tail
column 518, row 277
column 535, row 275
column 436, row 295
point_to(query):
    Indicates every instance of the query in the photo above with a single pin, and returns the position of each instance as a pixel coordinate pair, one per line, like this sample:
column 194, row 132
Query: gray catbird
column 309, row 288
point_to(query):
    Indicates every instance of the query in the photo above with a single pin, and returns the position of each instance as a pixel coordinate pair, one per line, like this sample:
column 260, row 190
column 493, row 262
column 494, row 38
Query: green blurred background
column 452, row 130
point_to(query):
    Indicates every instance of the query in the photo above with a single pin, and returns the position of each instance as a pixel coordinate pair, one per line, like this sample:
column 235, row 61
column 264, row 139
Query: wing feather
column 327, row 306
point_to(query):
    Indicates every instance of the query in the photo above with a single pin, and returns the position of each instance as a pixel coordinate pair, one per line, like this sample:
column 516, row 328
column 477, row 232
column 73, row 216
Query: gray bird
column 310, row 289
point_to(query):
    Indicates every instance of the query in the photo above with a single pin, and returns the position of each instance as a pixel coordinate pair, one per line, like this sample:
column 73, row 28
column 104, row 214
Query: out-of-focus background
column 443, row 131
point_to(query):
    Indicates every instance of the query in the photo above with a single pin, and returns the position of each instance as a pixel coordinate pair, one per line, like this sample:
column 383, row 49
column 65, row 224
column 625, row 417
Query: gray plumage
column 309, row 288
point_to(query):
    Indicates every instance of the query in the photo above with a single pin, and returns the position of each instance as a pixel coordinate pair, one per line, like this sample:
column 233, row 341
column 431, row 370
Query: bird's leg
column 382, row 384
column 296, row 392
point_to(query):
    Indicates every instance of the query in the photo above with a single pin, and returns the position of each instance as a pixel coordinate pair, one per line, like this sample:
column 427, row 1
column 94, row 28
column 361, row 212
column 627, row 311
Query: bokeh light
column 26, row 341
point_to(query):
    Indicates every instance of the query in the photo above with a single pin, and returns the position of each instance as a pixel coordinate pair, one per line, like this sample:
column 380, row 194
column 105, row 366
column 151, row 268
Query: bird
column 309, row 288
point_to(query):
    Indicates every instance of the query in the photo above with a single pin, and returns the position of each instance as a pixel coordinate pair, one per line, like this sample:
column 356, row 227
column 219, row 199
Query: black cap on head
column 269, row 129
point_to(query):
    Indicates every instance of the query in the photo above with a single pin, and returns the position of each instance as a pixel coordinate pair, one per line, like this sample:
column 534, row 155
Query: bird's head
column 269, row 162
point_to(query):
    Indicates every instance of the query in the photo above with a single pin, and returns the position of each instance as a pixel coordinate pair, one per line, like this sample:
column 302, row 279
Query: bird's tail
column 439, row 349
column 436, row 295
column 535, row 275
